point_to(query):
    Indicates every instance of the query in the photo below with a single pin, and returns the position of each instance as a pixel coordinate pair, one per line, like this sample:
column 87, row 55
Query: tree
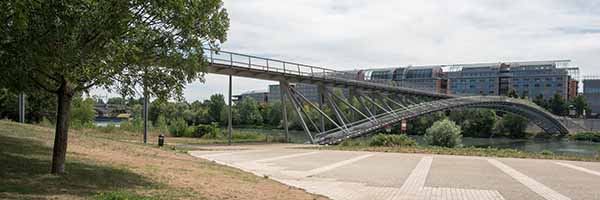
column 116, row 100
column 216, row 106
column 512, row 93
column 557, row 105
column 513, row 125
column 580, row 104
column 66, row 47
column 540, row 101
column 444, row 133
column 475, row 122
column 249, row 113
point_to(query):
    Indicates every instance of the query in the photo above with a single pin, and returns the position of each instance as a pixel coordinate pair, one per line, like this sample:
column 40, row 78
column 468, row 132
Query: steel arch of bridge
column 370, row 105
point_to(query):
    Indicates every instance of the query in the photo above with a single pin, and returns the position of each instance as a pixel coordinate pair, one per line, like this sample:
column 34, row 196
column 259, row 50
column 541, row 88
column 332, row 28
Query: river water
column 557, row 146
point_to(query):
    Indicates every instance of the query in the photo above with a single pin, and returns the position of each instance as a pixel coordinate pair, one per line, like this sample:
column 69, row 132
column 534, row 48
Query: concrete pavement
column 372, row 175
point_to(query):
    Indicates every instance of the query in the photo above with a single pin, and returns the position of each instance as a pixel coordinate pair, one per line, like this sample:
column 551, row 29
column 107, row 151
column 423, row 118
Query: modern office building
column 591, row 91
column 260, row 96
column 530, row 79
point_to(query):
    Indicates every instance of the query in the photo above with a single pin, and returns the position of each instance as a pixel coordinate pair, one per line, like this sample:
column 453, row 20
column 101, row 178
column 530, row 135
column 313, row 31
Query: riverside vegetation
column 444, row 137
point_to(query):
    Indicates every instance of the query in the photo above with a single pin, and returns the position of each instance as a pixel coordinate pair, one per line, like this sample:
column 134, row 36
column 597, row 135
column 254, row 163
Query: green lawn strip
column 466, row 151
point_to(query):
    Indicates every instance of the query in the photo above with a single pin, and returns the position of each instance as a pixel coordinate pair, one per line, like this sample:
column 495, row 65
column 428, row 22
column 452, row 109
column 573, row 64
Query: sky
column 358, row 34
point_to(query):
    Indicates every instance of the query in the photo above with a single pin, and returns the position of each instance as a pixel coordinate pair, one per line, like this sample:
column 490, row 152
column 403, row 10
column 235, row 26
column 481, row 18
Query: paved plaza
column 373, row 175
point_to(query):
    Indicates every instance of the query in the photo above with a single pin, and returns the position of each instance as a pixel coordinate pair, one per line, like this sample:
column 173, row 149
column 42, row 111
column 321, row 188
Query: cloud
column 354, row 34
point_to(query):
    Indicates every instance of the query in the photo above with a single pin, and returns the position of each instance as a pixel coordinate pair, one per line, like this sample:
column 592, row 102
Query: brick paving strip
column 537, row 187
column 579, row 168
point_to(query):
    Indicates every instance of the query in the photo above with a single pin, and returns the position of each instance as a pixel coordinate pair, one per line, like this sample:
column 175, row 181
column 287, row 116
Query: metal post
column 22, row 107
column 283, row 92
column 229, row 116
column 145, row 113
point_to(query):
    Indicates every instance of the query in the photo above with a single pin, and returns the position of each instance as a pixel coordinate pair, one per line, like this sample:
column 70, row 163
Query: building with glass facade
column 591, row 91
column 528, row 79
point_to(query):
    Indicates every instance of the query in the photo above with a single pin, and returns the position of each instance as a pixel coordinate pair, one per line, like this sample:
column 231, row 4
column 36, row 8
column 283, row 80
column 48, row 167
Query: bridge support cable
column 301, row 106
column 364, row 106
column 344, row 101
column 336, row 110
column 321, row 91
column 296, row 107
column 377, row 105
column 315, row 107
column 283, row 93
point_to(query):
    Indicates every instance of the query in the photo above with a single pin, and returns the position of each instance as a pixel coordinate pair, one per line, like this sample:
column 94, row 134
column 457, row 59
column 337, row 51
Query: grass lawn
column 117, row 166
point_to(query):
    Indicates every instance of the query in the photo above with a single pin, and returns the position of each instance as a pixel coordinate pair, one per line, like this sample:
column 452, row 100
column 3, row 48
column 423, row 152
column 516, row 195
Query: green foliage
column 512, row 93
column 216, row 106
column 587, row 136
column 547, row 152
column 580, row 104
column 557, row 105
column 134, row 125
column 419, row 125
column 475, row 122
column 512, row 125
column 391, row 140
column 82, row 112
column 210, row 131
column 161, row 124
column 444, row 133
column 121, row 195
column 45, row 122
column 116, row 100
column 69, row 47
column 249, row 112
column 178, row 127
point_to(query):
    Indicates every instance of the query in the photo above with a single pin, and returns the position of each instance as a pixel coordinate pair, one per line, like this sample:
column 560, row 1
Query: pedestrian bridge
column 369, row 107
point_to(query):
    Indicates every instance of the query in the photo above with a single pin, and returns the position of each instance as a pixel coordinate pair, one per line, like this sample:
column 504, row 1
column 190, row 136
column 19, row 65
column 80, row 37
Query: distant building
column 591, row 91
column 260, row 96
column 529, row 79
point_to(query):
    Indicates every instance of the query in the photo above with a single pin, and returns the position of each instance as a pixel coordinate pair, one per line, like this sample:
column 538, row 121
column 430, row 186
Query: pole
column 145, row 114
column 229, row 120
column 22, row 107
column 283, row 91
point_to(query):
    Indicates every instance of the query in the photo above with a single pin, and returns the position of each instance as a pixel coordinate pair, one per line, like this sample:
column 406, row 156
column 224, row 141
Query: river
column 557, row 146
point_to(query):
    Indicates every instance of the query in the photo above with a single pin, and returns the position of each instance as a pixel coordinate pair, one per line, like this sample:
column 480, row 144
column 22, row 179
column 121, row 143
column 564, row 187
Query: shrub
column 443, row 133
column 178, row 127
column 388, row 140
column 108, row 128
column 244, row 135
column 587, row 136
column 547, row 152
column 209, row 131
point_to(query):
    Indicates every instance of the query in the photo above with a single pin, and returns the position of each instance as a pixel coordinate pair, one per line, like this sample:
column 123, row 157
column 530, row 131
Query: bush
column 443, row 133
column 388, row 140
column 587, row 136
column 178, row 127
column 107, row 129
column 209, row 131
column 244, row 135
column 547, row 152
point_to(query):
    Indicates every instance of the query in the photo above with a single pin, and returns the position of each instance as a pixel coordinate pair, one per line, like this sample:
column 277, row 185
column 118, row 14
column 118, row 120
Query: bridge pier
column 229, row 117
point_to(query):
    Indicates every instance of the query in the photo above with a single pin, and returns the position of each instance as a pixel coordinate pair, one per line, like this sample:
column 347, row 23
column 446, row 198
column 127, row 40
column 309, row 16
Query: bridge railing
column 273, row 65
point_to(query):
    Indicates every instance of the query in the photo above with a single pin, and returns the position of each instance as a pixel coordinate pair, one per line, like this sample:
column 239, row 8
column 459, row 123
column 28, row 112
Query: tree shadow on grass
column 25, row 166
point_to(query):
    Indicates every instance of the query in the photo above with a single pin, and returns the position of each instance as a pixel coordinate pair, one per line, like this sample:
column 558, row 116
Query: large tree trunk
column 65, row 96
